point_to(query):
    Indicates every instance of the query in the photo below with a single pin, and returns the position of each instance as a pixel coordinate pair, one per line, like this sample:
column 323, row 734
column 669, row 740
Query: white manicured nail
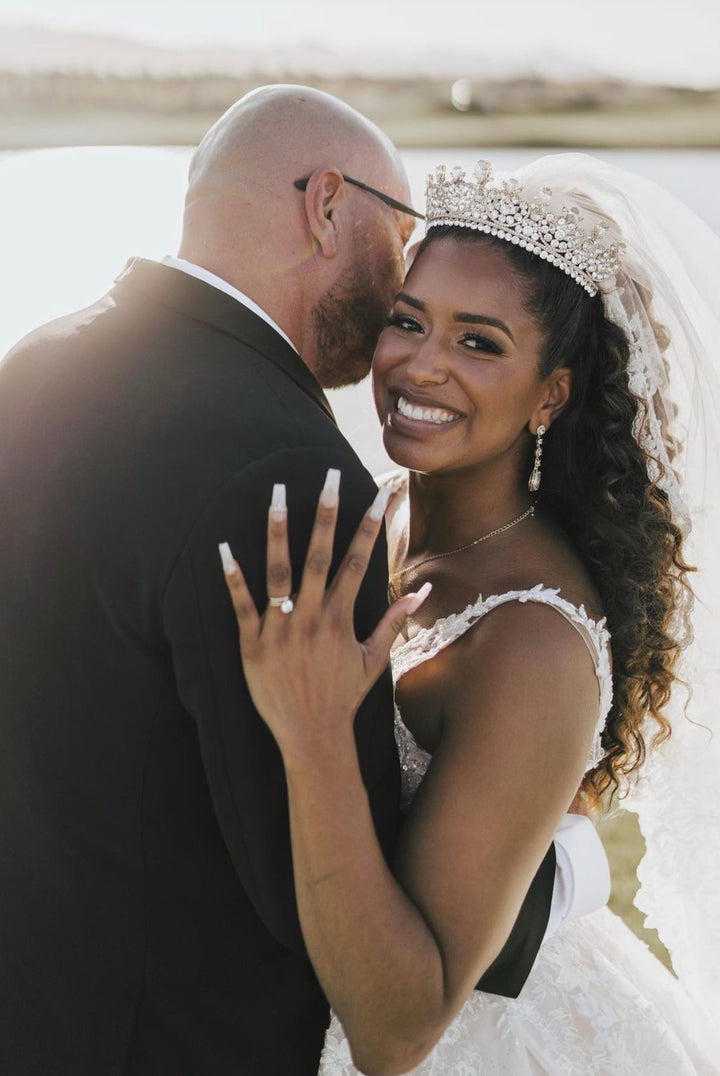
column 278, row 504
column 228, row 560
column 419, row 598
column 377, row 508
column 330, row 497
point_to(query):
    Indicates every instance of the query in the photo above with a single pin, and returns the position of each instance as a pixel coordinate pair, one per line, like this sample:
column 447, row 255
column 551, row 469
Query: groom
column 147, row 917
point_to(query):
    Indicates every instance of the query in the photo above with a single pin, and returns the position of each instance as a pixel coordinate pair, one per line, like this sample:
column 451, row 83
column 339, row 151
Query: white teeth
column 425, row 414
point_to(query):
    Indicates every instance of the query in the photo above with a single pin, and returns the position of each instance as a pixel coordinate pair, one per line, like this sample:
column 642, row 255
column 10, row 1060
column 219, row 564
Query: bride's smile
column 456, row 371
column 413, row 410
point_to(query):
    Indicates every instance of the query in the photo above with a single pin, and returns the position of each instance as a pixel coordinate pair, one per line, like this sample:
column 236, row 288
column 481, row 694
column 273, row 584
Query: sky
column 656, row 39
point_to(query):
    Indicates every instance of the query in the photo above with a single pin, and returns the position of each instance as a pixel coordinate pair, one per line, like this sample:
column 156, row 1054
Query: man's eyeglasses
column 301, row 185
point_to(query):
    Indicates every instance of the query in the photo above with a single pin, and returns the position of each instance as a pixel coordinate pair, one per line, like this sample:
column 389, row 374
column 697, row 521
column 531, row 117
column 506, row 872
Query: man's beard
column 348, row 321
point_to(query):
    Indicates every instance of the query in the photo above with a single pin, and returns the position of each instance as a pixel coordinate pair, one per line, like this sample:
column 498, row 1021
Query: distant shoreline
column 81, row 109
column 683, row 127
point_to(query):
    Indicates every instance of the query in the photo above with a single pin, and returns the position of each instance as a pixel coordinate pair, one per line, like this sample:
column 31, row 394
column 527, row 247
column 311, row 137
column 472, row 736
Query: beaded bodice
column 431, row 640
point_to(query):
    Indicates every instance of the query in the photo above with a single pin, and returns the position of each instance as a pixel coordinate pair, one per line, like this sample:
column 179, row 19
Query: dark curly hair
column 595, row 482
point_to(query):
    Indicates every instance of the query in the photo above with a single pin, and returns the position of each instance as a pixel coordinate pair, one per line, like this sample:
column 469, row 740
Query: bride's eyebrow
column 403, row 297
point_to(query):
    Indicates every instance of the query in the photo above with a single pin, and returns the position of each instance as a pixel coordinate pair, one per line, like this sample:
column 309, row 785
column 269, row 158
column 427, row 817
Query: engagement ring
column 285, row 605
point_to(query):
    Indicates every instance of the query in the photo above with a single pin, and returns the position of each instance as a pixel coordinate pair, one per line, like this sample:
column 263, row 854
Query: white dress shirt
column 582, row 873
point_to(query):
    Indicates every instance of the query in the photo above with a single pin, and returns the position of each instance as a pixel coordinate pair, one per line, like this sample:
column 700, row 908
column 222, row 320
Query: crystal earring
column 534, row 479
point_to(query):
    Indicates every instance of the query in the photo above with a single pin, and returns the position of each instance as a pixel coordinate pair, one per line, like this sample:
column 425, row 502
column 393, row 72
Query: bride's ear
column 556, row 393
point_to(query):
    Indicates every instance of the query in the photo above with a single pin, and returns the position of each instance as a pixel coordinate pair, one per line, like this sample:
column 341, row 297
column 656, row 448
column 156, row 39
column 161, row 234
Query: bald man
column 147, row 917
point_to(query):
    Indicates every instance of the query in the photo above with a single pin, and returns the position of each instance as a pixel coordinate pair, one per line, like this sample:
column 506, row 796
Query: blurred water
column 69, row 219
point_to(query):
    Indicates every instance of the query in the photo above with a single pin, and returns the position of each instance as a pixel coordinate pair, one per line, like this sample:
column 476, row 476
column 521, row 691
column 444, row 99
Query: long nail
column 417, row 599
column 278, row 504
column 228, row 560
column 377, row 508
column 330, row 496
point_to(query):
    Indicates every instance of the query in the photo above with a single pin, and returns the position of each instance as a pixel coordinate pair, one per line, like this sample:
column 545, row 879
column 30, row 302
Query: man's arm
column 510, row 968
column 243, row 765
column 582, row 872
column 573, row 879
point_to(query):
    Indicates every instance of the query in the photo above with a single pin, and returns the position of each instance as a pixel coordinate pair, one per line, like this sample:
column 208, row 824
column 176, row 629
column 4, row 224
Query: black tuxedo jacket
column 147, row 916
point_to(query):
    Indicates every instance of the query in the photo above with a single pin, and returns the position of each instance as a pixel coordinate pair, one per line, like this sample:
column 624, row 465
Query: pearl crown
column 559, row 236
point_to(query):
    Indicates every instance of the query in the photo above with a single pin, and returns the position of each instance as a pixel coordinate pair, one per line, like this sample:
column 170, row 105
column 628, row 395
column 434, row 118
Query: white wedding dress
column 596, row 1001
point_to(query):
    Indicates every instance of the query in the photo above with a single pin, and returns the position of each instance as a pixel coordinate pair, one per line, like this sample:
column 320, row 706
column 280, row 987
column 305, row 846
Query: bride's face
column 456, row 371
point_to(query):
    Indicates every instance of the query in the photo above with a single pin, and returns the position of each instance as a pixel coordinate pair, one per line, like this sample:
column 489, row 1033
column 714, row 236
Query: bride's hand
column 306, row 671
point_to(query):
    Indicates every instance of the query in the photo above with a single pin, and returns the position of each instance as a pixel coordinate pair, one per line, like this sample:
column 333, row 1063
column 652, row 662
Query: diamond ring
column 284, row 604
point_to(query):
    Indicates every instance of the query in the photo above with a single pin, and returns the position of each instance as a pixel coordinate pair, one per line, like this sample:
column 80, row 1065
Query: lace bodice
column 431, row 640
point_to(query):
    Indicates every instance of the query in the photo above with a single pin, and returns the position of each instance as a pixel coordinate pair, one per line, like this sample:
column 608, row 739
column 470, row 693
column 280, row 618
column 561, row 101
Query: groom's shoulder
column 138, row 382
column 145, row 358
column 55, row 335
column 35, row 366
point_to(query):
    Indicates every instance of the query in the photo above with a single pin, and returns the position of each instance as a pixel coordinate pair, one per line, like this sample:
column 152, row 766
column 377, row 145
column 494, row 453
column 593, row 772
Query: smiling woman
column 461, row 355
column 520, row 383
column 537, row 360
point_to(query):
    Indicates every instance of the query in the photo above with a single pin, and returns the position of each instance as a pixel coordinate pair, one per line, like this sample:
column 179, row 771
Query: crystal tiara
column 558, row 236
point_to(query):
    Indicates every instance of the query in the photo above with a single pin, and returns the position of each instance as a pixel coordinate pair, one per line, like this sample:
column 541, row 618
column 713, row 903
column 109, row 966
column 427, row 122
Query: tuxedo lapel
column 196, row 299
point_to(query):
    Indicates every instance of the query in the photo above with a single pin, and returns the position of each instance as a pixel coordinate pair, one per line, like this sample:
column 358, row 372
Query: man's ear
column 557, row 388
column 410, row 254
column 324, row 192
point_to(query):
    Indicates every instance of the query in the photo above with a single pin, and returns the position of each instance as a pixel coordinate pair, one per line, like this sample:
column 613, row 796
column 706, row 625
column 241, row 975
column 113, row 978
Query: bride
column 545, row 389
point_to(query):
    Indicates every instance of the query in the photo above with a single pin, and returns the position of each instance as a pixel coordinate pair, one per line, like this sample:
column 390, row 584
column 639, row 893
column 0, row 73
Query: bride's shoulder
column 557, row 588
column 550, row 564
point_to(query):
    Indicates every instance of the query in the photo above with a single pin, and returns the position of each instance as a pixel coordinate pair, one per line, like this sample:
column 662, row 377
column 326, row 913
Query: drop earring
column 534, row 479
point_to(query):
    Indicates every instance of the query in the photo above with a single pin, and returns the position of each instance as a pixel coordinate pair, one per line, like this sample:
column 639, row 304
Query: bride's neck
column 449, row 510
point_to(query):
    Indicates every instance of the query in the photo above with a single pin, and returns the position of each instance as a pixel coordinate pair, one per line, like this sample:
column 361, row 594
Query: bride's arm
column 397, row 956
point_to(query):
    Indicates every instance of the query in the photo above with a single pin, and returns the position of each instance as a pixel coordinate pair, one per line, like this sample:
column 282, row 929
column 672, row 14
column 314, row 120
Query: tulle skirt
column 597, row 1003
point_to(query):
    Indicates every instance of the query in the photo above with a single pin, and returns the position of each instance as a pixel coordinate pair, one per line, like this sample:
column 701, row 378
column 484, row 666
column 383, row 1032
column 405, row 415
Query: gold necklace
column 476, row 541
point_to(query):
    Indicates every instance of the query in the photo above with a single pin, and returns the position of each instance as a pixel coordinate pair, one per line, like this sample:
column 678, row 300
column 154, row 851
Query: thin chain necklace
column 476, row 541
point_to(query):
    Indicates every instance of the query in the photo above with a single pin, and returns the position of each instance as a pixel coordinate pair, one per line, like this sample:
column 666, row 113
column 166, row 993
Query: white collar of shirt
column 222, row 285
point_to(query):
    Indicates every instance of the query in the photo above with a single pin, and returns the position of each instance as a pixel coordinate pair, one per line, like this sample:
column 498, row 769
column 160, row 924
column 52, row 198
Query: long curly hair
column 595, row 482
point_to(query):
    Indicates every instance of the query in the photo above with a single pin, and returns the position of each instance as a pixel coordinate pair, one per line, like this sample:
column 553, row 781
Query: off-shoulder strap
column 431, row 640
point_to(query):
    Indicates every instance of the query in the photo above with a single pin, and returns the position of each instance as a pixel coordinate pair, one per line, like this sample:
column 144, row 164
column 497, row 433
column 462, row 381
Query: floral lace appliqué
column 597, row 1003
column 431, row 640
